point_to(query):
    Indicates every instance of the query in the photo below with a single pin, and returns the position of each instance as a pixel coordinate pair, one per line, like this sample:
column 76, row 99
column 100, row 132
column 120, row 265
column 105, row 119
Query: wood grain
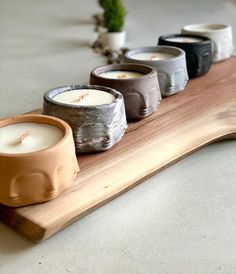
column 204, row 113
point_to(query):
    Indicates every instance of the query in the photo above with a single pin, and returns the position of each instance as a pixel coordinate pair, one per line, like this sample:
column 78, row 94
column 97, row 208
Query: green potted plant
column 113, row 36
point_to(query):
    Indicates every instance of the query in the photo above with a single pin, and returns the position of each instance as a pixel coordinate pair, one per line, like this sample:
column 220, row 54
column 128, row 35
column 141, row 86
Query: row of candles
column 37, row 152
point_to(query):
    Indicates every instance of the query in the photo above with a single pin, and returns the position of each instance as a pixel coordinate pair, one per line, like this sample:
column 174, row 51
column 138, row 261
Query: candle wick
column 121, row 76
column 81, row 97
column 153, row 57
column 24, row 136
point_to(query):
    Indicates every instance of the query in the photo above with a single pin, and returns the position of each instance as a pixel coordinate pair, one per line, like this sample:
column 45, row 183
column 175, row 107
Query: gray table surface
column 181, row 220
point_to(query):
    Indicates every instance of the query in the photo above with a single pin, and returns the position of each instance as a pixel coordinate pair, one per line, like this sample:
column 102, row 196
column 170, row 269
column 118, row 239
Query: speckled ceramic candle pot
column 197, row 50
column 39, row 176
column 171, row 67
column 95, row 127
column 220, row 35
column 137, row 83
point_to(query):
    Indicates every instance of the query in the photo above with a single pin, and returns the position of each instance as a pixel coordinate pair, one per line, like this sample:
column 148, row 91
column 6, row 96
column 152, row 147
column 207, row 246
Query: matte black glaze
column 198, row 54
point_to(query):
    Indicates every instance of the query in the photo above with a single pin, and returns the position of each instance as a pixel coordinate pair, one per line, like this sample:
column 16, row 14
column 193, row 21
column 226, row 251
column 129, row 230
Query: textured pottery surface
column 220, row 35
column 95, row 128
column 198, row 54
column 172, row 73
column 141, row 95
column 38, row 176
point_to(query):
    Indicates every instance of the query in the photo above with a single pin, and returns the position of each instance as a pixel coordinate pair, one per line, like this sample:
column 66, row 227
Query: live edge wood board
column 203, row 113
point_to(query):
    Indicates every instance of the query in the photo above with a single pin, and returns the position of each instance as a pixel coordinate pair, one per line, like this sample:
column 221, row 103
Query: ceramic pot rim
column 125, row 67
column 204, row 40
column 41, row 119
column 165, row 49
column 48, row 96
column 213, row 28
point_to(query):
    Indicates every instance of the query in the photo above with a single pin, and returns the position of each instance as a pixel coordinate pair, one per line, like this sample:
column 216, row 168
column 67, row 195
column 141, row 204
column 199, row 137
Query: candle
column 184, row 39
column 95, row 113
column 152, row 56
column 170, row 63
column 121, row 74
column 197, row 49
column 37, row 159
column 28, row 137
column 206, row 27
column 220, row 35
column 138, row 84
column 84, row 97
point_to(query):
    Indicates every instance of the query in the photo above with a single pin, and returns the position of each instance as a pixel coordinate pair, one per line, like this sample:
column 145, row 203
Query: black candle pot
column 197, row 49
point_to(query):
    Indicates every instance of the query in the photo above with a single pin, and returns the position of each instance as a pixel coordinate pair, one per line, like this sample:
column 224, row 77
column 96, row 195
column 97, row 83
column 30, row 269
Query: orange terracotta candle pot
column 37, row 159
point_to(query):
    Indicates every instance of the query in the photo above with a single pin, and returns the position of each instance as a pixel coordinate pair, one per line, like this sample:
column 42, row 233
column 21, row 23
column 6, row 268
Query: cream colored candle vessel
column 121, row 74
column 28, row 137
column 152, row 56
column 37, row 159
column 84, row 97
column 184, row 39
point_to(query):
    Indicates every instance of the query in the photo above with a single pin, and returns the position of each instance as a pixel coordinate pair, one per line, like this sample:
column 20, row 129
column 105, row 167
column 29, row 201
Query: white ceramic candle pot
column 96, row 115
column 170, row 63
column 37, row 159
column 137, row 83
column 220, row 35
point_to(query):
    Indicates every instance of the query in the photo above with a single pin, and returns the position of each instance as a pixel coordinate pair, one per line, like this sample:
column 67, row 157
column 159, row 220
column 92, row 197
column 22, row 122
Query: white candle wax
column 28, row 137
column 121, row 74
column 204, row 28
column 154, row 56
column 184, row 39
column 86, row 97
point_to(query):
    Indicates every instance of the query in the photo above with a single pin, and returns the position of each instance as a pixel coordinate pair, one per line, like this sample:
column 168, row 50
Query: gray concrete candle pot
column 170, row 63
column 96, row 114
column 220, row 35
column 137, row 83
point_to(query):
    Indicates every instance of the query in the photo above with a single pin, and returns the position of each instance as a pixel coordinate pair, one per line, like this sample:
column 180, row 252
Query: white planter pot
column 113, row 40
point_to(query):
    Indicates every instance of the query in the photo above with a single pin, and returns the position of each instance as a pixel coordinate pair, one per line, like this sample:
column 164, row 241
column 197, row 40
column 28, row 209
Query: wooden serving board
column 203, row 113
